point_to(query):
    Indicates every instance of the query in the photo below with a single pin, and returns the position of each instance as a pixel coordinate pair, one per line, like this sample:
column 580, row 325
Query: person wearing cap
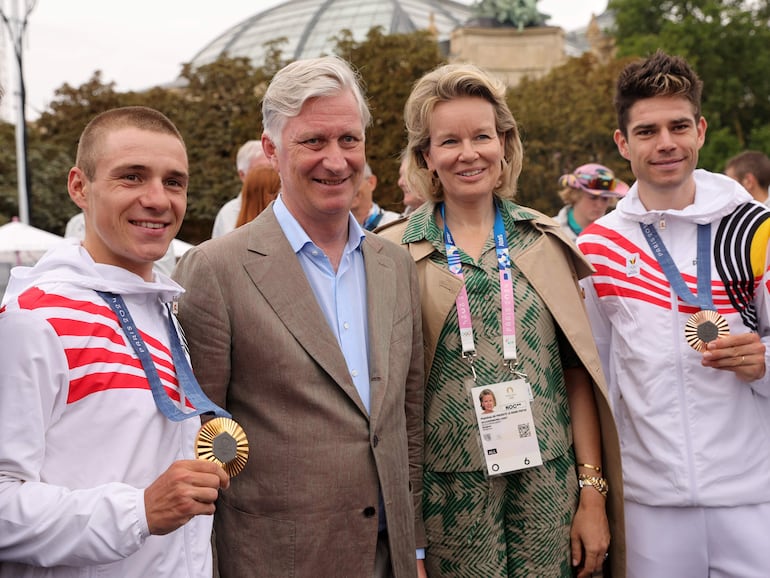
column 587, row 194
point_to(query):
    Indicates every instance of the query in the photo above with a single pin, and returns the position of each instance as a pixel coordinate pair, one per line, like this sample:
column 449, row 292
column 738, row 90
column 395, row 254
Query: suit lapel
column 381, row 304
column 276, row 273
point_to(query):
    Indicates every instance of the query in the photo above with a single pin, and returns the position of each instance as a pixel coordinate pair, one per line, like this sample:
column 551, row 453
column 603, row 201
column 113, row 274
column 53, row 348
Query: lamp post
column 16, row 27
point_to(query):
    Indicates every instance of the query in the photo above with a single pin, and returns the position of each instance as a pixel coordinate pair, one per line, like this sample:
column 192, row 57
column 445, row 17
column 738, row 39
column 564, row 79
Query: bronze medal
column 703, row 327
column 223, row 442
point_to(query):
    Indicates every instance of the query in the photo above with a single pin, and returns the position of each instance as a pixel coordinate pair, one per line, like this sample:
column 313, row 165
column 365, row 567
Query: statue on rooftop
column 519, row 13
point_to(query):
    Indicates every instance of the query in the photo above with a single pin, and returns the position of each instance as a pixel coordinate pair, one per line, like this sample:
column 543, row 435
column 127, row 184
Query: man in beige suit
column 308, row 330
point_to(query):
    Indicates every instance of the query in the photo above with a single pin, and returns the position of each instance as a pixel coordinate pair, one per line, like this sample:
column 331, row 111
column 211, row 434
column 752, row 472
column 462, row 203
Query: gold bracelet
column 597, row 469
column 599, row 484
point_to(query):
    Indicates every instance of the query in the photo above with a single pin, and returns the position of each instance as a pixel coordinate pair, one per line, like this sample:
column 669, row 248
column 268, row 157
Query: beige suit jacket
column 553, row 266
column 306, row 504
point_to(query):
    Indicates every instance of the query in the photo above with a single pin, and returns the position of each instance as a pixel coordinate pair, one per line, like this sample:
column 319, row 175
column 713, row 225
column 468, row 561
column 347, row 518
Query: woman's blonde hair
column 444, row 84
column 570, row 196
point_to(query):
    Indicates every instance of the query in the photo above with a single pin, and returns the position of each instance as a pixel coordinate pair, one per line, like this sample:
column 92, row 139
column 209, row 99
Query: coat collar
column 415, row 232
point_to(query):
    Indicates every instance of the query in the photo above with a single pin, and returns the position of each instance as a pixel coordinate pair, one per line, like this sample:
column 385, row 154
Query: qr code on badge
column 524, row 430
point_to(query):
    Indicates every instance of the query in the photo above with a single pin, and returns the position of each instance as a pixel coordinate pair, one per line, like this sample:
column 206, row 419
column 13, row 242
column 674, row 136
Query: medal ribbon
column 188, row 385
column 506, row 290
column 704, row 299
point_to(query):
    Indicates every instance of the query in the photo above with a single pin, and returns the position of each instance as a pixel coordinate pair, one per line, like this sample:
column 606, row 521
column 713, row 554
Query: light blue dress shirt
column 341, row 295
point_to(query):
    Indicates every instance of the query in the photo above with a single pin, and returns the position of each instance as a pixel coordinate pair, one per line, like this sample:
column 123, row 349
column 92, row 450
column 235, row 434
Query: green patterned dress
column 518, row 524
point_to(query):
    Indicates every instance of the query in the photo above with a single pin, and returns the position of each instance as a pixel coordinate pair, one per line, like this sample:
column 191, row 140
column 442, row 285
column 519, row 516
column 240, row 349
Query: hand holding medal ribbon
column 220, row 440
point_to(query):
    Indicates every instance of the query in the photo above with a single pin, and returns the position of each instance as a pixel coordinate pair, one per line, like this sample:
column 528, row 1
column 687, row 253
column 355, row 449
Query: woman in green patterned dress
column 464, row 154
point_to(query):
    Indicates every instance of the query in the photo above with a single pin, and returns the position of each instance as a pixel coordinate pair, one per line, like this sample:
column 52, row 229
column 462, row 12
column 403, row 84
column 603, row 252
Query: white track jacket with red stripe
column 690, row 435
column 80, row 435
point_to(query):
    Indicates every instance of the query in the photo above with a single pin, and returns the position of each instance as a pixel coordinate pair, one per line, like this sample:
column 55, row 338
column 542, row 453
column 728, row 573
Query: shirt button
column 354, row 373
column 346, row 325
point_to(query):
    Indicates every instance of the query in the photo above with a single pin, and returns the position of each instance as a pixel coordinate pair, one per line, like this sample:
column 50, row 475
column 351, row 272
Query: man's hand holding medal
column 743, row 354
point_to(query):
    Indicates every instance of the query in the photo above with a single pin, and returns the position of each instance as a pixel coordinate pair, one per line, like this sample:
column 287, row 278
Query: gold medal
column 703, row 327
column 223, row 442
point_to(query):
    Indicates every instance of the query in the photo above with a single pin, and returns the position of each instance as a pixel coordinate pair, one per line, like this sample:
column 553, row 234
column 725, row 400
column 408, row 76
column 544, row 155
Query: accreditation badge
column 506, row 426
column 223, row 442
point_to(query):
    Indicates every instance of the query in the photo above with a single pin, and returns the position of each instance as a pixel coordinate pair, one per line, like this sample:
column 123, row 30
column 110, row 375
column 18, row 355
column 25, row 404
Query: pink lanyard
column 506, row 294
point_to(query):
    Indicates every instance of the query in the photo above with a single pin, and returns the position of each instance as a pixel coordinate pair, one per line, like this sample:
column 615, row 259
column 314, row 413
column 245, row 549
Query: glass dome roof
column 309, row 26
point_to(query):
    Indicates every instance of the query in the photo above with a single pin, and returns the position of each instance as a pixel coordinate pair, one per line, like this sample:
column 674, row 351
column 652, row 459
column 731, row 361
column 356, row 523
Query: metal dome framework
column 310, row 25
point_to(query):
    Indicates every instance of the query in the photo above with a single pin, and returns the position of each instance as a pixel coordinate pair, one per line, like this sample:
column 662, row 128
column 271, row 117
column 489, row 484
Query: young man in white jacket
column 94, row 479
column 679, row 309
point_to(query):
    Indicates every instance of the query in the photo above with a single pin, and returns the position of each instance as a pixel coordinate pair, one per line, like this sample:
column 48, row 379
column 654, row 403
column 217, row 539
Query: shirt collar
column 297, row 236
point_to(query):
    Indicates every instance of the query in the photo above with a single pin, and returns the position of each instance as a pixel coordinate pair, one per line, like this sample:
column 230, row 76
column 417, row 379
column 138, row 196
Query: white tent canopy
column 22, row 244
column 16, row 236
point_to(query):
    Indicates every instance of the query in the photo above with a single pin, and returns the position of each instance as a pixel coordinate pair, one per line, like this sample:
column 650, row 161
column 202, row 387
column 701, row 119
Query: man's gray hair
column 249, row 151
column 302, row 80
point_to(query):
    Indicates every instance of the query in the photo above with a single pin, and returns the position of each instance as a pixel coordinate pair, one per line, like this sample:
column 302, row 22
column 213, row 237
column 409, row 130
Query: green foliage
column 72, row 108
column 389, row 65
column 220, row 110
column 726, row 42
column 8, row 189
column 216, row 107
column 216, row 112
column 53, row 141
column 50, row 205
column 566, row 119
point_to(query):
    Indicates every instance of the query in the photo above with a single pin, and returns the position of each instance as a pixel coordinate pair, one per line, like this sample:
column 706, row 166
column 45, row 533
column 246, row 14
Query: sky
column 143, row 43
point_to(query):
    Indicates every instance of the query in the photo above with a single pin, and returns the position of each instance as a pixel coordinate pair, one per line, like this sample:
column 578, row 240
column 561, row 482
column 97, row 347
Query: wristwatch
column 600, row 484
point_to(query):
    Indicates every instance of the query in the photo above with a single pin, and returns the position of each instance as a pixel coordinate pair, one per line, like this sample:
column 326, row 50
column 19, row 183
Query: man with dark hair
column 752, row 170
column 97, row 422
column 680, row 310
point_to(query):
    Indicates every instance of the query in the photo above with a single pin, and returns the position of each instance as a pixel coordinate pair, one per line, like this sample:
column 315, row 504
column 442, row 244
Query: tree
column 72, row 108
column 389, row 65
column 217, row 108
column 9, row 196
column 53, row 140
column 574, row 128
column 726, row 42
column 220, row 111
